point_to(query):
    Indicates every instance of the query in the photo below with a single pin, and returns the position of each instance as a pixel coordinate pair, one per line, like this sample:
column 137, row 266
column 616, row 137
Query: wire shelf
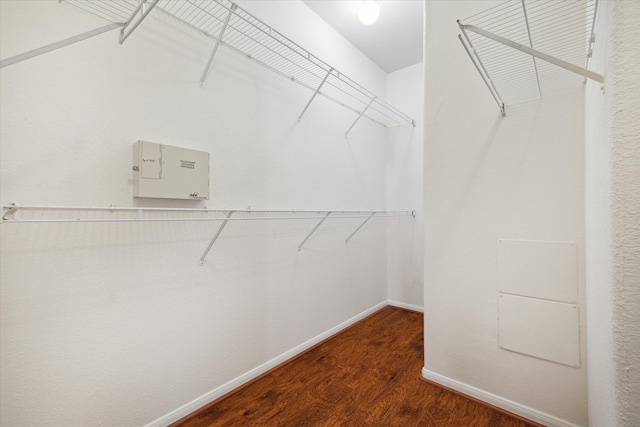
column 560, row 29
column 22, row 214
column 33, row 214
column 229, row 25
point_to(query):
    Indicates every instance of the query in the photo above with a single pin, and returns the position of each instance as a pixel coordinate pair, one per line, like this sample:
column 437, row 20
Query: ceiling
column 393, row 42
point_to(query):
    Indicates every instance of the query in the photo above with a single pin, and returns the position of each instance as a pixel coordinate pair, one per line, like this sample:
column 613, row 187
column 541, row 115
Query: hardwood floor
column 367, row 375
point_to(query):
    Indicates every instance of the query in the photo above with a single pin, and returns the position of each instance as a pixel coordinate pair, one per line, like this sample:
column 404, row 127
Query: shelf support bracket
column 57, row 45
column 217, row 44
column 533, row 58
column 359, row 227
column 315, row 93
column 475, row 59
column 215, row 237
column 144, row 12
column 592, row 36
column 536, row 53
column 313, row 231
column 364, row 110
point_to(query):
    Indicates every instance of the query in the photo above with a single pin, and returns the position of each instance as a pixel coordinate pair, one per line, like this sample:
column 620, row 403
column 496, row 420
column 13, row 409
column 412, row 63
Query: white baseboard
column 218, row 392
column 500, row 402
column 404, row 305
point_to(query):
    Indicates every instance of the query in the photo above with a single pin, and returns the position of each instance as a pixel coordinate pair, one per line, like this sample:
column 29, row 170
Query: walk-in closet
column 309, row 212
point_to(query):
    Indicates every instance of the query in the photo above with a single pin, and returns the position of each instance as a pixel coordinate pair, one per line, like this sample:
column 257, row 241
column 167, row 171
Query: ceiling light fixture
column 369, row 12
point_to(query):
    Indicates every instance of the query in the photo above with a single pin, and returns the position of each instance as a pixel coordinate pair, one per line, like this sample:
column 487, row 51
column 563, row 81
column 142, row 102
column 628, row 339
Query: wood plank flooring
column 367, row 375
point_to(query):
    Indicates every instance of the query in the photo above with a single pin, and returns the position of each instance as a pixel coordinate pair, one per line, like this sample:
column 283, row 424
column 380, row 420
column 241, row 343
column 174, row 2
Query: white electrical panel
column 167, row 172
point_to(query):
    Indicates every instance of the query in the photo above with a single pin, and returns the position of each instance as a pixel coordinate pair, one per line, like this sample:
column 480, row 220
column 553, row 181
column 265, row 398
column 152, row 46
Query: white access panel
column 168, row 172
column 547, row 330
column 540, row 269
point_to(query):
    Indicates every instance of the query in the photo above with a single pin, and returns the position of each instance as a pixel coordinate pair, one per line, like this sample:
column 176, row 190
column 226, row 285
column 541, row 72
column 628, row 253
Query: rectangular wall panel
column 547, row 330
column 547, row 270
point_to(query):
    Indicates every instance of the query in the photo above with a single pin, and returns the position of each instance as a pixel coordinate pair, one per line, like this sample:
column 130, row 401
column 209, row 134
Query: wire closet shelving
column 526, row 49
column 224, row 23
column 33, row 214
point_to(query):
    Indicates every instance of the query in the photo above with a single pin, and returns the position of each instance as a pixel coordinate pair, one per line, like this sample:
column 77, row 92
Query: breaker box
column 167, row 172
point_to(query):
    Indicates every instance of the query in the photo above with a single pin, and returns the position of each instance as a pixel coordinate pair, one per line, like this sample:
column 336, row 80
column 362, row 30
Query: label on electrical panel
column 188, row 164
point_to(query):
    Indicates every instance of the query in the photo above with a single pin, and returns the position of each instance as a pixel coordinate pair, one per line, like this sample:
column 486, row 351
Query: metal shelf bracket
column 314, row 230
column 57, row 45
column 215, row 237
column 477, row 62
column 131, row 25
column 364, row 110
column 217, row 44
column 359, row 227
column 535, row 65
column 10, row 212
column 315, row 93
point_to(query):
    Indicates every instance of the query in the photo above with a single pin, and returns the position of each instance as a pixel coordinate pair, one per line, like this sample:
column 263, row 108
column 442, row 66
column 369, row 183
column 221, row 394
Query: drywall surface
column 613, row 219
column 404, row 188
column 623, row 111
column 404, row 143
column 118, row 324
column 488, row 178
column 602, row 391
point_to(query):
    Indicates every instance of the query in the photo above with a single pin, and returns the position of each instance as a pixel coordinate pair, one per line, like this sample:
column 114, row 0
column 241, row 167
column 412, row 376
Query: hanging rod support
column 57, row 45
column 124, row 34
column 313, row 231
column 215, row 237
column 359, row 227
column 217, row 44
column 553, row 60
column 364, row 110
column 315, row 93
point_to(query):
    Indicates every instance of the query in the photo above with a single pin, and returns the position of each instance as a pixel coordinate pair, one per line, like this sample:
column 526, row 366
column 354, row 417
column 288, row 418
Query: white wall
column 117, row 324
column 613, row 219
column 404, row 188
column 404, row 156
column 602, row 395
column 485, row 178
